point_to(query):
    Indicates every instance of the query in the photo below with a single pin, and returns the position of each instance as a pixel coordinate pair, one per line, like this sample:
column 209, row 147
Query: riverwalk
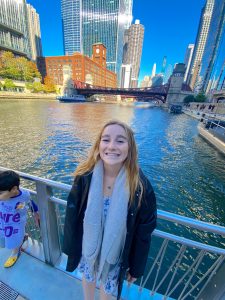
column 24, row 96
column 210, row 137
column 194, row 113
column 214, row 136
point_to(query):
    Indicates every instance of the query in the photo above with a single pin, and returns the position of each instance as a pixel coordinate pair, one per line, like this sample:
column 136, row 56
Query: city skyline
column 168, row 29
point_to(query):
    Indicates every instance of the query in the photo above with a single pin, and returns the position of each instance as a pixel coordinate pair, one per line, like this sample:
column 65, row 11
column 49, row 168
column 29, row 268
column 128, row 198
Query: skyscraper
column 157, row 80
column 200, row 42
column 146, row 82
column 164, row 65
column 125, row 76
column 71, row 23
column 153, row 70
column 34, row 32
column 14, row 34
column 86, row 22
column 187, row 59
column 213, row 61
column 135, row 36
column 128, row 12
column 168, row 73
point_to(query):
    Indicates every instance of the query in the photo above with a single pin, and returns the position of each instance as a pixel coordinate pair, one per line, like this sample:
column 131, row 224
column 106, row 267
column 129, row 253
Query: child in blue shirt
column 13, row 214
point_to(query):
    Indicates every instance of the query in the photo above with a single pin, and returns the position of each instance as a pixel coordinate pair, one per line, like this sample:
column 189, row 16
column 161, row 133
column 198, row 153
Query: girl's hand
column 130, row 279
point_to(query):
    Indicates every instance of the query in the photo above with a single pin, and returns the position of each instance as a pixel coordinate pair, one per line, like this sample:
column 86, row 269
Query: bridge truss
column 148, row 94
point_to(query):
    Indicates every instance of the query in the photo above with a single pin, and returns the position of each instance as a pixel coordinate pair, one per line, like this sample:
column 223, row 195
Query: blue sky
column 170, row 25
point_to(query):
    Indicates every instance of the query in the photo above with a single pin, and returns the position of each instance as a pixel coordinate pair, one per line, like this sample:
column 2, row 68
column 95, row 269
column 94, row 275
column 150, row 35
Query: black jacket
column 141, row 221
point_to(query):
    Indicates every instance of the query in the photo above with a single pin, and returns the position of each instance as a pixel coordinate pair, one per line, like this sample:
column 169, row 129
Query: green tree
column 34, row 87
column 9, row 84
column 29, row 86
column 27, row 69
column 201, row 97
column 38, row 87
column 19, row 68
column 8, row 68
column 189, row 98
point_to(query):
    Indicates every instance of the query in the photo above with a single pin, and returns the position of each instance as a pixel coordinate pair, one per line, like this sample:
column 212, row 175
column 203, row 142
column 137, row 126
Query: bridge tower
column 175, row 86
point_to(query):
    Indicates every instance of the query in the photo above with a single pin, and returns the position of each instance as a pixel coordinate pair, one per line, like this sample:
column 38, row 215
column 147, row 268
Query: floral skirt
column 111, row 284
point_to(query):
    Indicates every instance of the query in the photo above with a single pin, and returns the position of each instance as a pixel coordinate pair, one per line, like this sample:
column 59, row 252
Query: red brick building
column 82, row 68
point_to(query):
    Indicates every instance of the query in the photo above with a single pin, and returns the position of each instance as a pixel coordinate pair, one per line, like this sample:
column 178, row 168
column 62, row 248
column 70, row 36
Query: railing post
column 48, row 224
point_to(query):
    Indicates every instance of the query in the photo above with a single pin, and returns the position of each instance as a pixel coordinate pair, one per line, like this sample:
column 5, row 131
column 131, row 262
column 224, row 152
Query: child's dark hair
column 9, row 179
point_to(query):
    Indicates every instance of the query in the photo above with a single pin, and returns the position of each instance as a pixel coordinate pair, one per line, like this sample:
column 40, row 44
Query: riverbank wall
column 24, row 96
column 210, row 137
column 215, row 108
column 199, row 115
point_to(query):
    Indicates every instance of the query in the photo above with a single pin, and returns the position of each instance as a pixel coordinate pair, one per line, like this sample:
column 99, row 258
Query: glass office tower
column 71, row 23
column 128, row 12
column 14, row 34
column 216, row 76
column 86, row 22
column 200, row 41
column 214, row 53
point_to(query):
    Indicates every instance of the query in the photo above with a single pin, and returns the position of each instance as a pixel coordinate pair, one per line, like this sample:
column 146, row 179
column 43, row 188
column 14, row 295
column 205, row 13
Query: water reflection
column 22, row 132
column 48, row 139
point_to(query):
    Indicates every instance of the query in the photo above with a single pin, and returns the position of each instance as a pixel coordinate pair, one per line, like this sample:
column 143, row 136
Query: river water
column 48, row 139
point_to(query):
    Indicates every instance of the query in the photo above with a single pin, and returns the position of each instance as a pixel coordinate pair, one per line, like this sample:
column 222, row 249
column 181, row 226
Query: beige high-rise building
column 146, row 82
column 133, row 50
column 34, row 32
column 187, row 59
column 125, row 76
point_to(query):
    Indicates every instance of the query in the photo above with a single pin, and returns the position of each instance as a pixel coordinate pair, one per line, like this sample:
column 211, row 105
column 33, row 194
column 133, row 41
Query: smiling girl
column 111, row 213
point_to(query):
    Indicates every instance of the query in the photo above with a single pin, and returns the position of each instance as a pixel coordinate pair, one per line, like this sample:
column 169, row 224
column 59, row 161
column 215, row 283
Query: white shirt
column 13, row 216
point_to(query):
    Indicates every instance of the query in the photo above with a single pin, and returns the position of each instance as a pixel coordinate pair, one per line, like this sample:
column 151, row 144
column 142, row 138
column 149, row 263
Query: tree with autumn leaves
column 20, row 68
column 37, row 87
column 49, row 86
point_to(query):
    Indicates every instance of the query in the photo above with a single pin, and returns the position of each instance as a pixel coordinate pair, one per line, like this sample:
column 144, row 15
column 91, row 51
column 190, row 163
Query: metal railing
column 215, row 126
column 178, row 267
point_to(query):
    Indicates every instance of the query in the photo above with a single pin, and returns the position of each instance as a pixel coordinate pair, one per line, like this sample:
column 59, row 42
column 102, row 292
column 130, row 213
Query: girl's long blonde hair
column 131, row 162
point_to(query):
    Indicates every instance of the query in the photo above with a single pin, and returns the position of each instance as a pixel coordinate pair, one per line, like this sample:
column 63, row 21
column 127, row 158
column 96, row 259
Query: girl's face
column 113, row 147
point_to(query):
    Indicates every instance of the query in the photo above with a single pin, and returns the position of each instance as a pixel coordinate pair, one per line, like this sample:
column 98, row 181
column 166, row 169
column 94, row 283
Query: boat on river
column 142, row 104
column 137, row 104
column 175, row 109
column 72, row 98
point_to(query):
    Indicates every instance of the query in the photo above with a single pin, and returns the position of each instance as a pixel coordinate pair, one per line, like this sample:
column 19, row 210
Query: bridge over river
column 149, row 93
column 172, row 92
